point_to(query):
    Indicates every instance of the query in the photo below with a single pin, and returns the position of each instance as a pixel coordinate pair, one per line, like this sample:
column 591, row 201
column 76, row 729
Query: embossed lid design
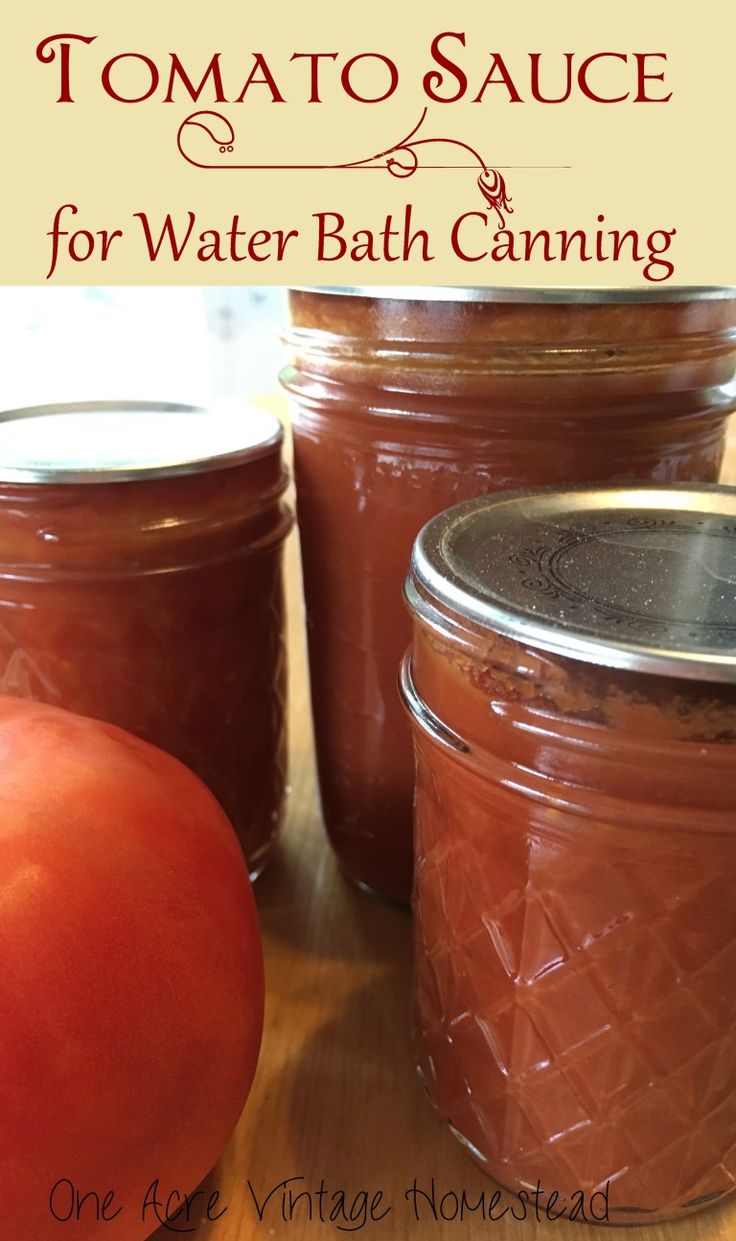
column 626, row 577
column 123, row 441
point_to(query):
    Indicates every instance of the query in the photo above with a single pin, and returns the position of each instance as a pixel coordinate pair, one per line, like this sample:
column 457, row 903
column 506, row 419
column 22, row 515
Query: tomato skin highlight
column 131, row 975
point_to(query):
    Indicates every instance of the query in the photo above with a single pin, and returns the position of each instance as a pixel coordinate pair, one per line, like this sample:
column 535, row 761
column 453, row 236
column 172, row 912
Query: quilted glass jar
column 572, row 687
column 406, row 401
column 140, row 583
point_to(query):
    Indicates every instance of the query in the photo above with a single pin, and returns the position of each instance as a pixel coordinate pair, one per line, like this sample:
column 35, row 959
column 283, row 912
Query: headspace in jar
column 406, row 401
column 140, row 583
column 572, row 688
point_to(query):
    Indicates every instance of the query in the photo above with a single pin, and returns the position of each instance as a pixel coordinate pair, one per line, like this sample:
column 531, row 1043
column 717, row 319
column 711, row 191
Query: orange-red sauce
column 157, row 605
column 575, row 902
column 403, row 408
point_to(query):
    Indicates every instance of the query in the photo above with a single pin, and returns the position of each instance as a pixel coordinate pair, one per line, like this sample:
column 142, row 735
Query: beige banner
column 531, row 144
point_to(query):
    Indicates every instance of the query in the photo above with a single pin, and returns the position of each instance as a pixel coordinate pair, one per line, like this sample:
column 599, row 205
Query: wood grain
column 336, row 1096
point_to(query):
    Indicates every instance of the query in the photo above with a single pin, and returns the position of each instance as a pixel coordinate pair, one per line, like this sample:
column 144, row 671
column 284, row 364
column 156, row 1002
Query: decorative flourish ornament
column 400, row 160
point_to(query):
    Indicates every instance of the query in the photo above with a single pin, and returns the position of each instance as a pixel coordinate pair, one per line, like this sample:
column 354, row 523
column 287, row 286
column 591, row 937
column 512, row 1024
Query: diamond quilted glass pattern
column 576, row 1009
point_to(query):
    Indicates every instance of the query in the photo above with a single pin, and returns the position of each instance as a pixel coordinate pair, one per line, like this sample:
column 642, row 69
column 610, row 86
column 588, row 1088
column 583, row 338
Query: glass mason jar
column 140, row 582
column 406, row 401
column 572, row 688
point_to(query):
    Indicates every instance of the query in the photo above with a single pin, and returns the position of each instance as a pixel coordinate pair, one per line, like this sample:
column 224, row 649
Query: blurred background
column 171, row 343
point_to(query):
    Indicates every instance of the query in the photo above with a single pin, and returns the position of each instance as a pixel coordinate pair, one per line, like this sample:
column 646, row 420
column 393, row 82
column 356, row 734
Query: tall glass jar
column 572, row 688
column 140, row 583
column 406, row 401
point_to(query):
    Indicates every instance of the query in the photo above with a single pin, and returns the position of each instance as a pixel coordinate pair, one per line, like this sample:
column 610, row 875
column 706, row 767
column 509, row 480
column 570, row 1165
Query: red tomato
column 131, row 979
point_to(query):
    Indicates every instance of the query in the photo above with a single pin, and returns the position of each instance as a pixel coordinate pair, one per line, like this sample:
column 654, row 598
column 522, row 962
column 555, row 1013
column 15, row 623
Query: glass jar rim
column 566, row 294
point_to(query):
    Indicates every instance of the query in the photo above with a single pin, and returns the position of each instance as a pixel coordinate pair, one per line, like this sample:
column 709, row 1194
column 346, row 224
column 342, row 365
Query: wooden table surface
column 336, row 1098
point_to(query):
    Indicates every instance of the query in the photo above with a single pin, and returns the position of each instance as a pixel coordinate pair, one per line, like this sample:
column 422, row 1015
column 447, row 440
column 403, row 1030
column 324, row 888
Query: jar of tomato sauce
column 572, row 689
column 406, row 401
column 140, row 583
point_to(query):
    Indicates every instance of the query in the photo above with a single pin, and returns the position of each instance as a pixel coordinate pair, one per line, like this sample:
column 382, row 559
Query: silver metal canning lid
column 633, row 577
column 125, row 441
column 563, row 294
